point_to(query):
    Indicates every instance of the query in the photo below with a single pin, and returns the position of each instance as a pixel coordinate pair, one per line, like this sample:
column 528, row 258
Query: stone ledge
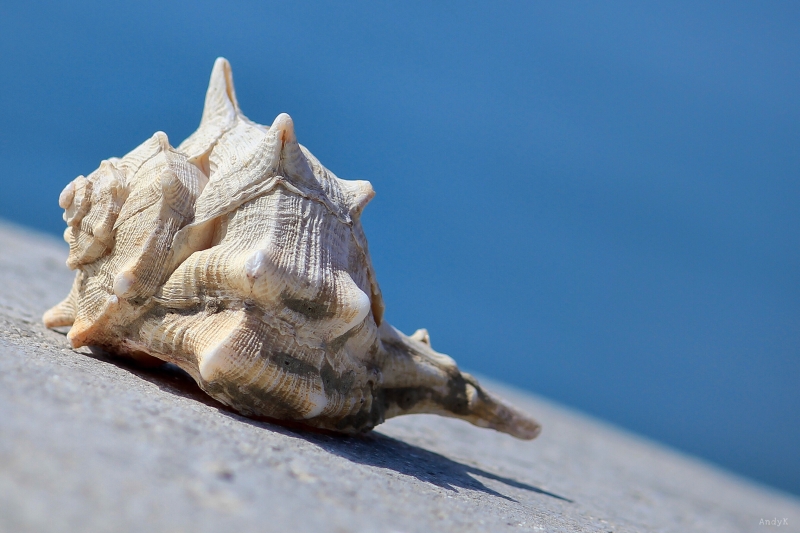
column 91, row 443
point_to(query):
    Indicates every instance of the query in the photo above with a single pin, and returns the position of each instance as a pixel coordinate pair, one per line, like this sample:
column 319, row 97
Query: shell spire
column 221, row 105
column 240, row 258
column 220, row 113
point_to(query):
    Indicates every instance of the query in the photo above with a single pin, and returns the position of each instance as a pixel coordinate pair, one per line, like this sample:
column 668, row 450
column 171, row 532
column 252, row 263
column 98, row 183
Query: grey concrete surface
column 91, row 443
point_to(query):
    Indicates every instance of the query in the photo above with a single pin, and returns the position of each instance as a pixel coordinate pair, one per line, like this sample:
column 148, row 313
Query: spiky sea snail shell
column 241, row 259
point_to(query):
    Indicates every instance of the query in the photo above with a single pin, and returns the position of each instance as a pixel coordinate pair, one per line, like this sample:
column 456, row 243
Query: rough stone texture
column 92, row 443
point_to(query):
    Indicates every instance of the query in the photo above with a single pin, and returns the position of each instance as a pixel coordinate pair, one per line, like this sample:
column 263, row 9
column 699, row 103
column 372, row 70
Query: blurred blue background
column 598, row 202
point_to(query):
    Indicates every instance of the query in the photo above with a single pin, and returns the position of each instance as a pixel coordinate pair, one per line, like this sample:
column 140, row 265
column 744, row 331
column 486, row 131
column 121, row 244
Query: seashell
column 240, row 258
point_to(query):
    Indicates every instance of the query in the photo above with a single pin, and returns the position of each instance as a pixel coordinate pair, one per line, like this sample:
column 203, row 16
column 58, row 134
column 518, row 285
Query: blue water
column 598, row 202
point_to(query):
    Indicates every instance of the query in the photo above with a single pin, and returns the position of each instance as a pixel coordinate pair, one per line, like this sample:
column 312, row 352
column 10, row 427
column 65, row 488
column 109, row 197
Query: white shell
column 241, row 259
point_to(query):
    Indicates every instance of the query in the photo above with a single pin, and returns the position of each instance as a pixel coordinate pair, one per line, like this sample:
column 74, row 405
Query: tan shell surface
column 240, row 258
